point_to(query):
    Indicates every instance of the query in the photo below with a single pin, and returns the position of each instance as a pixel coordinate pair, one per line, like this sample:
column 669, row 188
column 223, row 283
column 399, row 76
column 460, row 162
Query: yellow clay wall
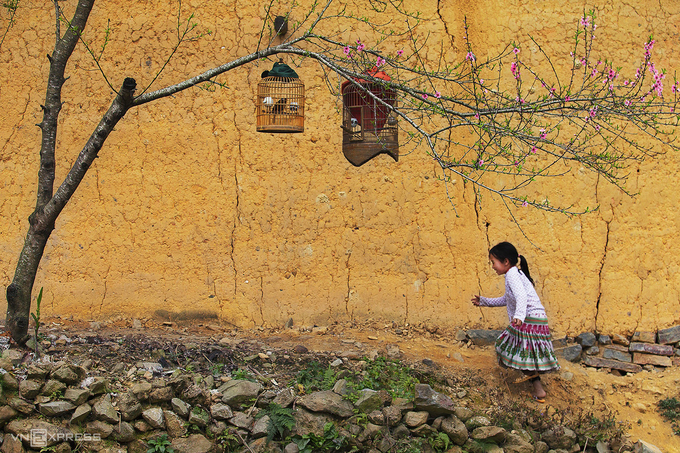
column 188, row 211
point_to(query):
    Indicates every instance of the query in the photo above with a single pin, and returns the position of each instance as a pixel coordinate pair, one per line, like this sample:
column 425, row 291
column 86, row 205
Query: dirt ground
column 633, row 398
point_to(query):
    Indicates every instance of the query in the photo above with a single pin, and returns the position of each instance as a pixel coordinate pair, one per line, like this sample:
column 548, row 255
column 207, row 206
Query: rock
column 180, row 407
column 424, row 431
column 559, row 437
column 306, row 422
column 463, row 413
column 369, row 401
column 103, row 410
column 129, row 407
column 154, row 417
column 221, row 411
column 142, row 390
column 669, row 336
column 614, row 354
column 483, row 337
column 393, row 351
column 392, row 415
column 29, row 389
column 260, row 427
column 96, row 385
column 77, row 396
column 99, row 427
column 476, row 422
column 65, row 374
column 123, row 432
column 650, row 359
column 53, row 387
column 604, row 339
column 620, row 339
column 613, row 364
column 435, row 403
column 455, row 429
column 644, row 337
column 586, row 339
column 56, row 408
column 174, row 424
column 286, row 397
column 515, row 443
column 21, row 405
column 570, row 353
column 161, row 395
column 493, row 434
column 199, row 417
column 413, row 419
column 80, row 414
column 327, row 401
column 369, row 432
column 658, row 349
column 376, row 417
column 195, row 395
column 12, row 445
column 6, row 414
column 237, row 392
column 643, row 447
column 50, row 434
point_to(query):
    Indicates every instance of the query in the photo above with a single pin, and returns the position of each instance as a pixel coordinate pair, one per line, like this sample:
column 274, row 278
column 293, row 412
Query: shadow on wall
column 187, row 315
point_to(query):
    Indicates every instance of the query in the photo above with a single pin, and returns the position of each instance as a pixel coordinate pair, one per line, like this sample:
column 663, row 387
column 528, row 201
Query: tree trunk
column 43, row 218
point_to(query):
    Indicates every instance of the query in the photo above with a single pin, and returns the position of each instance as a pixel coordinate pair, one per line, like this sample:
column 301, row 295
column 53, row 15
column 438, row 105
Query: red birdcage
column 369, row 124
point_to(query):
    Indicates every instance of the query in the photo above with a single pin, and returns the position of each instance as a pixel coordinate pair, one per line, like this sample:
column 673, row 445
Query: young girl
column 525, row 344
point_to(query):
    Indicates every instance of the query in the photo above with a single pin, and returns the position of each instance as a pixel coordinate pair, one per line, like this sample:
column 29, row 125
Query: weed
column 228, row 441
column 243, row 375
column 385, row 374
column 440, row 442
column 670, row 409
column 161, row 444
column 330, row 441
column 280, row 420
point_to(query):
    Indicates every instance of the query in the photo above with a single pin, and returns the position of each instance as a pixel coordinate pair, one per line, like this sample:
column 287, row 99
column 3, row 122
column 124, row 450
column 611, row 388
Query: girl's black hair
column 506, row 251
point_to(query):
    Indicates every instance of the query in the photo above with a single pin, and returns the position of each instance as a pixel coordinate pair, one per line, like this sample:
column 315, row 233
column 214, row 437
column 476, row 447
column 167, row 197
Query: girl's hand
column 475, row 300
column 516, row 322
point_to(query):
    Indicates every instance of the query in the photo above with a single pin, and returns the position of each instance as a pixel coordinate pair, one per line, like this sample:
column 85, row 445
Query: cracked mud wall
column 189, row 212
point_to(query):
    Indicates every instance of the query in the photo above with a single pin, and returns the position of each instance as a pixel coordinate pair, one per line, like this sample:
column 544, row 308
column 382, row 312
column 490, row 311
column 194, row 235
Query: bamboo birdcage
column 280, row 106
column 369, row 126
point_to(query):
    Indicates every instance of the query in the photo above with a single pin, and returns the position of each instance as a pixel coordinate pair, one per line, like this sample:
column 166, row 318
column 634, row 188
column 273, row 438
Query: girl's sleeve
column 492, row 301
column 514, row 283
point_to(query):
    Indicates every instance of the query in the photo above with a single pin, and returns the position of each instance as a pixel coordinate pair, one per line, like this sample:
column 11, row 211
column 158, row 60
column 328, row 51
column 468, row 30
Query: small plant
column 228, row 441
column 161, row 444
column 243, row 375
column 330, row 441
column 36, row 320
column 440, row 442
column 670, row 409
column 280, row 420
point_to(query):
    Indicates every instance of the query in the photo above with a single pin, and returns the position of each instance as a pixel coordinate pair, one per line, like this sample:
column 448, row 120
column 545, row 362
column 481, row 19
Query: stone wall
column 189, row 212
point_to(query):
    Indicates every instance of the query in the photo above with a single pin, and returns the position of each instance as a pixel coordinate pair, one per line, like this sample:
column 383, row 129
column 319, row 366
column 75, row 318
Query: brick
column 670, row 335
column 657, row 349
column 651, row 359
column 613, row 364
column 615, row 354
column 644, row 337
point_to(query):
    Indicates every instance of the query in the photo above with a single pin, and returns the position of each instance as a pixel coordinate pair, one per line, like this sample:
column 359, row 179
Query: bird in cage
column 268, row 102
column 293, row 107
column 280, row 106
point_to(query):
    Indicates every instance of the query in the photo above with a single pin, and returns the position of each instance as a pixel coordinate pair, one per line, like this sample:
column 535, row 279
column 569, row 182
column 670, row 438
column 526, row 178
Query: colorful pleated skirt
column 527, row 347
